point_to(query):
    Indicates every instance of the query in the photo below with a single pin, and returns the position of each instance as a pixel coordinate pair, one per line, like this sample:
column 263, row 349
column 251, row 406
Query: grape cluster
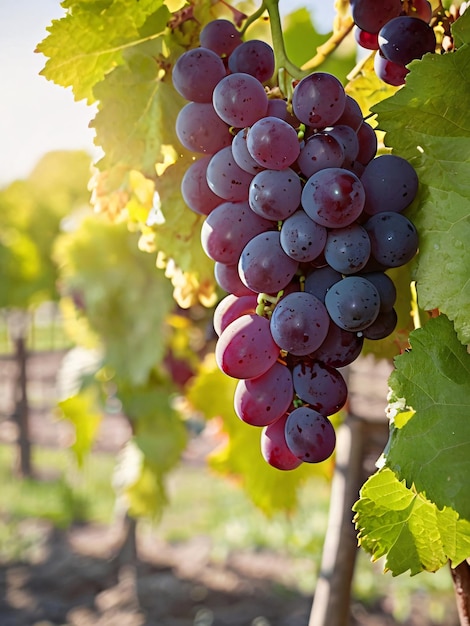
column 302, row 220
column 398, row 29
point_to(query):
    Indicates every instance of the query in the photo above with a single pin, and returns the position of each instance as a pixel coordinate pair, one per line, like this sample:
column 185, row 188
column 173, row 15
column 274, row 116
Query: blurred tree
column 31, row 213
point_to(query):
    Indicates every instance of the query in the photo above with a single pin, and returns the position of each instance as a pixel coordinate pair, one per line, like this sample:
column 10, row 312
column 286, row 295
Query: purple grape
column 274, row 447
column 352, row 115
column 369, row 41
column 240, row 100
column 347, row 249
column 319, row 100
column 320, row 151
column 333, row 197
column 273, row 143
column 406, row 38
column 196, row 73
column 228, row 228
column 390, row 184
column 386, row 288
column 231, row 308
column 246, row 349
column 299, row 323
column 370, row 15
column 228, row 279
column 253, row 57
column 391, row 73
column 225, row 178
column 347, row 139
column 383, row 326
column 393, row 238
column 200, row 129
column 241, row 155
column 195, row 190
column 302, row 238
column 367, row 144
column 310, row 436
column 422, row 9
column 318, row 281
column 353, row 303
column 321, row 386
column 275, row 195
column 260, row 401
column 340, row 348
column 221, row 36
column 263, row 264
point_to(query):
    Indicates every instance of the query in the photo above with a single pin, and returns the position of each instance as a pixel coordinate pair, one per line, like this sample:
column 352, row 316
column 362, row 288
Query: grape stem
column 252, row 18
column 282, row 59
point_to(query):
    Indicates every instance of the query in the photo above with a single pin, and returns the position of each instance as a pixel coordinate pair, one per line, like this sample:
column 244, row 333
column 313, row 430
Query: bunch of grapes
column 398, row 29
column 302, row 220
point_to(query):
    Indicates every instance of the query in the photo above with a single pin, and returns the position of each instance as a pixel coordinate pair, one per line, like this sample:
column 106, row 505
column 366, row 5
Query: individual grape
column 221, row 36
column 241, row 155
column 347, row 249
column 299, row 323
column 278, row 108
column 406, row 38
column 264, row 266
column 228, row 228
column 383, row 326
column 318, row 281
column 231, row 308
column 302, row 238
column 386, row 288
column 228, row 279
column 367, row 145
column 240, row 100
column 225, row 178
column 391, row 73
column 200, row 129
column 390, row 184
column 320, row 151
column 347, row 139
column 195, row 190
column 275, row 195
column 273, row 143
column 352, row 115
column 253, row 57
column 353, row 303
column 274, row 447
column 322, row 387
column 246, row 349
column 260, row 401
column 340, row 348
column 370, row 15
column 421, row 9
column 333, row 197
column 319, row 100
column 369, row 41
column 196, row 73
column 393, row 238
column 310, row 436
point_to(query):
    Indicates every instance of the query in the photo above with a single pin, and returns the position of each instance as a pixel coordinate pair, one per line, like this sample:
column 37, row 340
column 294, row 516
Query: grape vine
column 307, row 200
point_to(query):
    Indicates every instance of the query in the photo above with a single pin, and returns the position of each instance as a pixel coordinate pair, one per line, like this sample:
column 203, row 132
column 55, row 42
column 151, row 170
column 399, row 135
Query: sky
column 37, row 116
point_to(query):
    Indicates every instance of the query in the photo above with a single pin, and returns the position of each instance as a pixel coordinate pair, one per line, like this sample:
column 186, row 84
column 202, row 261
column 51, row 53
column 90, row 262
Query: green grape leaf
column 138, row 107
column 412, row 532
column 270, row 489
column 83, row 413
column 432, row 131
column 89, row 41
column 300, row 37
column 432, row 449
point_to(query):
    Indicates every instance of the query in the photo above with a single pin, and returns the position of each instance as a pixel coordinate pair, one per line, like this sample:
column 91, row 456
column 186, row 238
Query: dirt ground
column 73, row 580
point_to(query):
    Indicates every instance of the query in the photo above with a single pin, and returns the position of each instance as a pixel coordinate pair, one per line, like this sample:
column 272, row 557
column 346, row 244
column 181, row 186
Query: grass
column 201, row 504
